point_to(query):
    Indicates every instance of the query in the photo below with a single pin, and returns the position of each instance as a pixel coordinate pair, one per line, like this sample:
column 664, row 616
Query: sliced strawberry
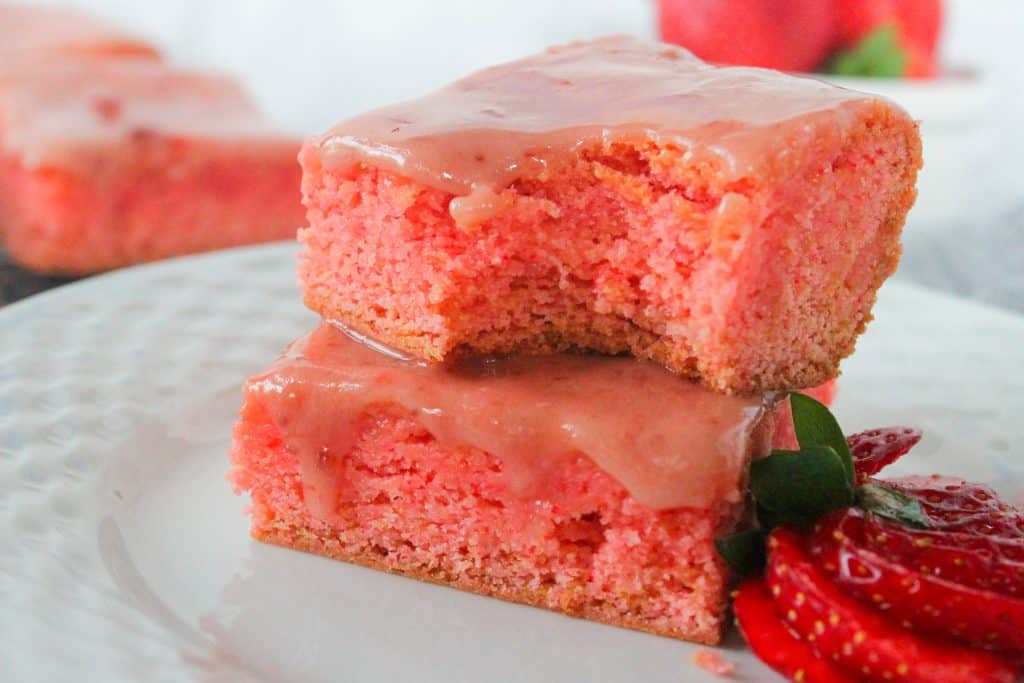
column 958, row 578
column 956, row 505
column 930, row 604
column 774, row 643
column 989, row 563
column 874, row 449
column 839, row 627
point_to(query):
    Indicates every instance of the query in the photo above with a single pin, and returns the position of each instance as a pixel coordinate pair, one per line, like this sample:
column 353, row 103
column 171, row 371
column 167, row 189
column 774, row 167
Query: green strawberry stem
column 797, row 488
column 877, row 54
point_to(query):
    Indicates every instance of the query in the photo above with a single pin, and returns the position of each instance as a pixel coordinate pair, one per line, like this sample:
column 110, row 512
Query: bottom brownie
column 409, row 505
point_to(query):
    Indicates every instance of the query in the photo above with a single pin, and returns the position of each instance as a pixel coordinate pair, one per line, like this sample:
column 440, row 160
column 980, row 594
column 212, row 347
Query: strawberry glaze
column 670, row 442
column 480, row 134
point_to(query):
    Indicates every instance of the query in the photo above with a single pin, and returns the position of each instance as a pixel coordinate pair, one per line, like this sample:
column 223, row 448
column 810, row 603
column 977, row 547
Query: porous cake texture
column 733, row 224
column 411, row 506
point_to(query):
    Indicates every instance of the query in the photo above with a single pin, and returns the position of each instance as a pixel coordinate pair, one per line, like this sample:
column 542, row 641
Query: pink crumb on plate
column 713, row 662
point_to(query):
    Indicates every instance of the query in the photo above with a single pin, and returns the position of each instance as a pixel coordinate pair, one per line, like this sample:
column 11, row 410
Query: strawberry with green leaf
column 890, row 38
column 869, row 579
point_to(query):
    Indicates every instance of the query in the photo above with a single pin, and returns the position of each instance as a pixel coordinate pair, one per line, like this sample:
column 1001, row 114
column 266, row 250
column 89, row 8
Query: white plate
column 125, row 557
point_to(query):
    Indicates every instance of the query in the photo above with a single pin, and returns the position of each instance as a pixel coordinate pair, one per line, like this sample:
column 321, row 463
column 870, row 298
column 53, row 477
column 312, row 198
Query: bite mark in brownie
column 733, row 224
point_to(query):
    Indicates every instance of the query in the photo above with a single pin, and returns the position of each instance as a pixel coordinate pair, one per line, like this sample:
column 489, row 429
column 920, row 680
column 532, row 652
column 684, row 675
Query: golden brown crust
column 592, row 610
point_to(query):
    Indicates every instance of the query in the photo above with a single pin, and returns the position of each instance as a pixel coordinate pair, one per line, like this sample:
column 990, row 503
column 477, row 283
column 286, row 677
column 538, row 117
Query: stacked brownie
column 562, row 302
column 109, row 156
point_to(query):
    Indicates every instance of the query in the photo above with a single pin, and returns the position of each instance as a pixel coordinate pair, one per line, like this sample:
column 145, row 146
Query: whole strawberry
column 789, row 35
column 887, row 37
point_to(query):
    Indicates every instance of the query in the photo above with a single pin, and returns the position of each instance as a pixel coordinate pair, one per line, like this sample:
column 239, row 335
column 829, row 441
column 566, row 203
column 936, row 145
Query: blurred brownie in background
column 38, row 32
column 110, row 157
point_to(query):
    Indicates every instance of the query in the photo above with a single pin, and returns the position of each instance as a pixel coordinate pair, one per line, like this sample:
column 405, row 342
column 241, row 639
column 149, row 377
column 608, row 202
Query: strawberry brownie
column 732, row 224
column 528, row 478
column 61, row 32
column 110, row 162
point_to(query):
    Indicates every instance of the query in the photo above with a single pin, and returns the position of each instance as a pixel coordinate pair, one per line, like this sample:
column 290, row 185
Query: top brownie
column 615, row 196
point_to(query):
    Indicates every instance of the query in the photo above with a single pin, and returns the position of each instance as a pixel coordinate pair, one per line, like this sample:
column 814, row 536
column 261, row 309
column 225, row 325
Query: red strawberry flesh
column 929, row 604
column 874, row 449
column 861, row 640
column 773, row 642
column 985, row 562
column 956, row 505
column 958, row 578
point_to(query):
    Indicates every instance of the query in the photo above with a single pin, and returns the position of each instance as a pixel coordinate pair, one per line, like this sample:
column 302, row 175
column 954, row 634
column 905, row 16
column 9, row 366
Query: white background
column 313, row 62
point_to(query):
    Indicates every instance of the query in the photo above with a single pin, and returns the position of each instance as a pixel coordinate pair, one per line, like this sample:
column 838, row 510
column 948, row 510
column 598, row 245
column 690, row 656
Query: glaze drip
column 670, row 442
column 522, row 118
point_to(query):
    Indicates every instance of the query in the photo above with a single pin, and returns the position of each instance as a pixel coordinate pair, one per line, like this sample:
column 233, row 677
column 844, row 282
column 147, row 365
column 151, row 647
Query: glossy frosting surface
column 51, row 111
column 670, row 442
column 517, row 119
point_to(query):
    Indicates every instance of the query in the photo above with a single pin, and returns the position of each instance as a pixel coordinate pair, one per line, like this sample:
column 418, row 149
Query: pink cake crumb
column 446, row 515
column 110, row 162
column 713, row 662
